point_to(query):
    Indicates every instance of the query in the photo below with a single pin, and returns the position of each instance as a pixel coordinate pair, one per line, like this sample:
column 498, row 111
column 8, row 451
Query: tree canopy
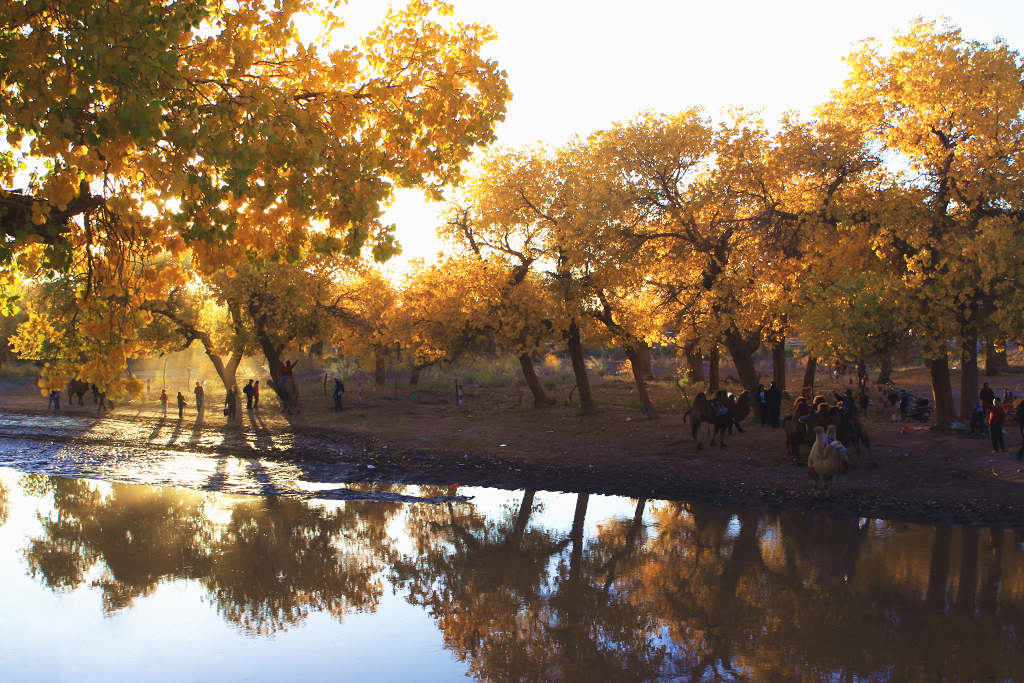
column 141, row 128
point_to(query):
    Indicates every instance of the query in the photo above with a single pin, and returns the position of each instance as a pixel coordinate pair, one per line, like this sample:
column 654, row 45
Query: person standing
column 163, row 401
column 247, row 390
column 996, row 416
column 181, row 405
column 986, row 395
column 198, row 391
column 339, row 390
column 231, row 403
column 1020, row 423
column 773, row 402
column 762, row 406
column 256, row 395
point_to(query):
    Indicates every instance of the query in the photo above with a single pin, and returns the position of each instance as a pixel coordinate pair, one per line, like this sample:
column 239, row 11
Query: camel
column 289, row 393
column 801, row 424
column 826, row 458
column 77, row 387
column 721, row 412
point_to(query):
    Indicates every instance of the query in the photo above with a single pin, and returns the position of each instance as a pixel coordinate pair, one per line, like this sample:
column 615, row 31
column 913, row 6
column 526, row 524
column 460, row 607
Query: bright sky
column 578, row 65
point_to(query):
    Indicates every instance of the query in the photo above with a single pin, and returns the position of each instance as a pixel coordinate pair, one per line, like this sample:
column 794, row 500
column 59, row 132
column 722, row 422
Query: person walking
column 163, row 401
column 256, row 395
column 181, row 405
column 339, row 390
column 200, row 395
column 996, row 417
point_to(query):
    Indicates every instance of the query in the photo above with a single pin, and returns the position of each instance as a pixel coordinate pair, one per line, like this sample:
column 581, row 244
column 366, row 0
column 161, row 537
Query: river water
column 176, row 565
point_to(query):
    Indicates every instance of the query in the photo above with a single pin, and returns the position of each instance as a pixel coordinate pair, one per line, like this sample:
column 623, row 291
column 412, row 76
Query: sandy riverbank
column 498, row 439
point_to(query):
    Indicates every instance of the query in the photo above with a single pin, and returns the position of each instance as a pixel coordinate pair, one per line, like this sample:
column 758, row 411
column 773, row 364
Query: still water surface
column 115, row 581
column 155, row 561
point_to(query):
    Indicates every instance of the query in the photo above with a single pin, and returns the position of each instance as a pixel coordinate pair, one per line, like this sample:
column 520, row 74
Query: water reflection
column 266, row 562
column 543, row 587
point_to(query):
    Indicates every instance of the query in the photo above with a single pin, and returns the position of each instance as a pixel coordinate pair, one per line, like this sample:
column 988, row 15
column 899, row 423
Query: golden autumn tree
column 138, row 128
column 949, row 115
column 466, row 305
column 365, row 307
column 684, row 176
column 725, row 216
column 518, row 212
column 602, row 262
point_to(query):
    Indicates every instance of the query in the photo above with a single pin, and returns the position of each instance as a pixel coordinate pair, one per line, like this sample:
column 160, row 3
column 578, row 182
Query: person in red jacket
column 996, row 417
column 288, row 369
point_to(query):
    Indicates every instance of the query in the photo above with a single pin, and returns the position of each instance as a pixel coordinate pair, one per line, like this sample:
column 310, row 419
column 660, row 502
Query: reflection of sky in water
column 175, row 633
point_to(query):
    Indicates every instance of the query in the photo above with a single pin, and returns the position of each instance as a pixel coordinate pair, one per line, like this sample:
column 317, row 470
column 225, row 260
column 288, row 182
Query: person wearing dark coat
column 773, row 402
column 986, row 395
column 248, row 390
column 762, row 406
column 339, row 389
column 231, row 403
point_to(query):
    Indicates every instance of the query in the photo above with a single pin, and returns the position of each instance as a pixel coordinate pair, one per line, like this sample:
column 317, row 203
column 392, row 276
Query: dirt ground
column 497, row 438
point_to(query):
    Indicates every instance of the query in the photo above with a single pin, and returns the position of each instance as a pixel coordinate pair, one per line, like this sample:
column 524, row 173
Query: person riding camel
column 286, row 371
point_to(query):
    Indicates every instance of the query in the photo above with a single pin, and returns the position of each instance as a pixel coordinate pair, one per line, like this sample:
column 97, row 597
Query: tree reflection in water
column 668, row 591
column 267, row 566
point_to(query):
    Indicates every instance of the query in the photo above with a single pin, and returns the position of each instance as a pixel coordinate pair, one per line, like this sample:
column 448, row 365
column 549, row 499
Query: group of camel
column 828, row 437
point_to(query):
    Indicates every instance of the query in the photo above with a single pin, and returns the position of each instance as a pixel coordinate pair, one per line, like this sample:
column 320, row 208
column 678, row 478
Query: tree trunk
column 988, row 593
column 942, row 392
column 579, row 369
column 938, row 575
column 522, row 519
column 995, row 360
column 968, row 588
column 779, row 365
column 694, row 363
column 380, row 367
column 643, row 359
column 714, row 380
column 809, row 371
column 530, row 375
column 576, row 534
column 885, row 369
column 742, row 349
column 635, row 356
column 272, row 354
column 744, row 553
column 414, row 374
column 225, row 370
column 968, row 376
column 627, row 549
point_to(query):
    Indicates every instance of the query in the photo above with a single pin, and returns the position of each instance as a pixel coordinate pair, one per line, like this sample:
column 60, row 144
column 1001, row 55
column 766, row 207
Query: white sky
column 575, row 66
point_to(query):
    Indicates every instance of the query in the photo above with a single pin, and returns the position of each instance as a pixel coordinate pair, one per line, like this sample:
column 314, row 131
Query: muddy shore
column 494, row 440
